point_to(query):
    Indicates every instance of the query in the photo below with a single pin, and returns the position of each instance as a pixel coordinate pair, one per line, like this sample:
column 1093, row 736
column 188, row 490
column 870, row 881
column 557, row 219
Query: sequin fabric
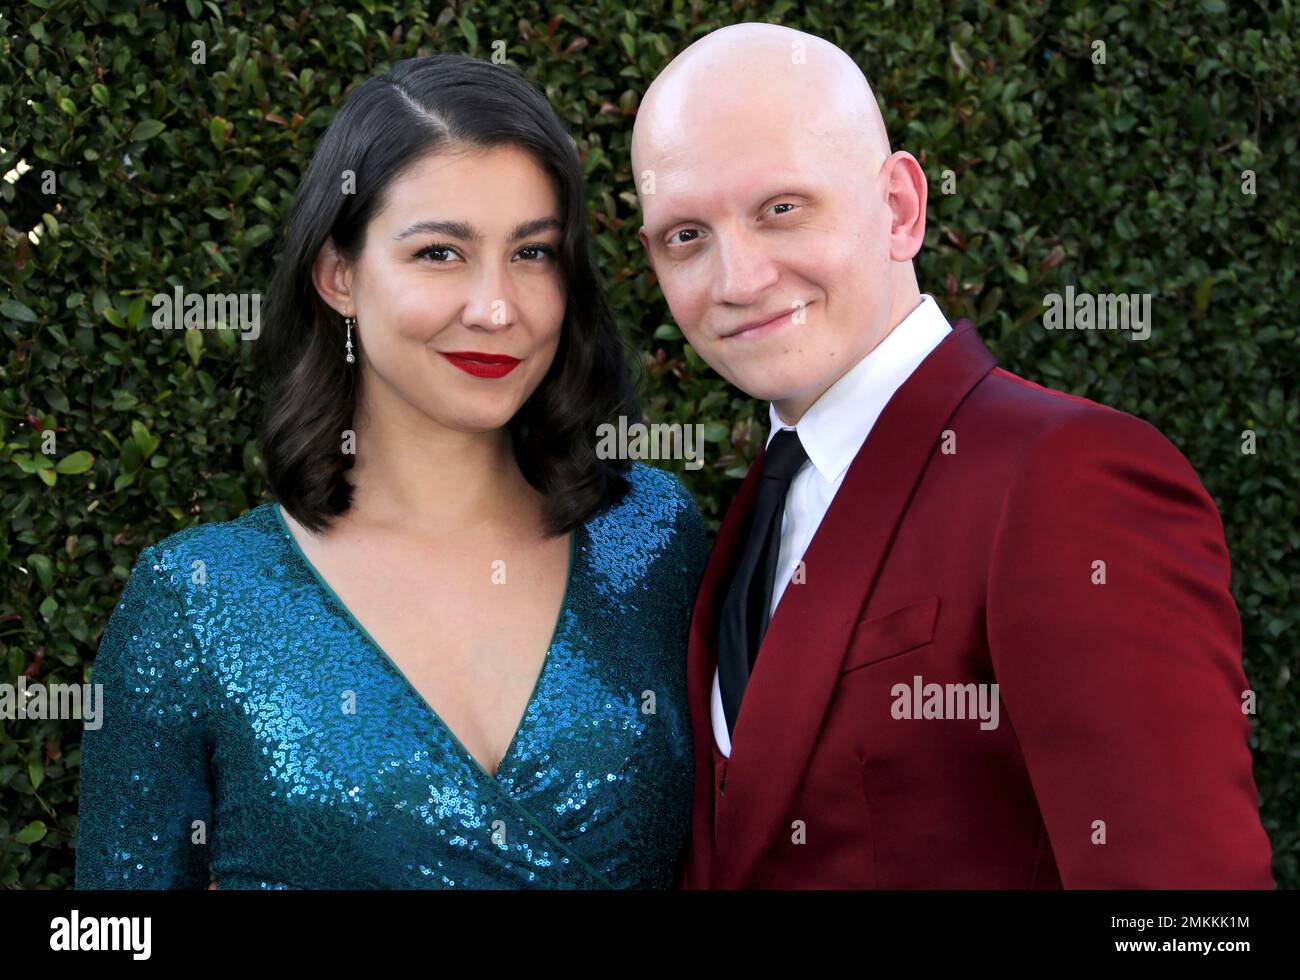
column 252, row 729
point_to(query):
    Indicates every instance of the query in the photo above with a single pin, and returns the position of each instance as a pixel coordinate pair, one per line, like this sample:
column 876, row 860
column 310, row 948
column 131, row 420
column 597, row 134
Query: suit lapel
column 788, row 694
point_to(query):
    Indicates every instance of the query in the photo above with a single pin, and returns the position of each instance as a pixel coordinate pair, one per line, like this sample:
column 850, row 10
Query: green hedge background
column 1122, row 177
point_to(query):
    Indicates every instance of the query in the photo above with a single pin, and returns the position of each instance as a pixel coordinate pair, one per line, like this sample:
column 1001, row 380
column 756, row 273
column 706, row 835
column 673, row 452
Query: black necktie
column 745, row 609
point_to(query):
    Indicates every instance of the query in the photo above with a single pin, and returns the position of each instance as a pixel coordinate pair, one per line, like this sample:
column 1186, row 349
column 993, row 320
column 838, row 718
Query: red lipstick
column 482, row 365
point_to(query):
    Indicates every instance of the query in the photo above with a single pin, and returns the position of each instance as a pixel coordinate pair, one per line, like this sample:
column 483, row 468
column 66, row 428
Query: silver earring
column 350, row 321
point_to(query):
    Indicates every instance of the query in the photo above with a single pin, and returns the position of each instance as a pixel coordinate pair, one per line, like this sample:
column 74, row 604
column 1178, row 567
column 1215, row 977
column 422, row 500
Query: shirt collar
column 838, row 423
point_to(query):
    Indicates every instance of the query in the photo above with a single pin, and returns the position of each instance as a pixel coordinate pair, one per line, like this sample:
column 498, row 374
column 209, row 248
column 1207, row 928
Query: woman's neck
column 428, row 479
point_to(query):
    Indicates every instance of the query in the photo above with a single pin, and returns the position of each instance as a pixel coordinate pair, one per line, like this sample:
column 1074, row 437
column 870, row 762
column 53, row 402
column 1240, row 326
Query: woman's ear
column 331, row 273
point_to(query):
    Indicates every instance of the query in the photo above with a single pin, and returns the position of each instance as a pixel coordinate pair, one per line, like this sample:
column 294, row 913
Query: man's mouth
column 756, row 329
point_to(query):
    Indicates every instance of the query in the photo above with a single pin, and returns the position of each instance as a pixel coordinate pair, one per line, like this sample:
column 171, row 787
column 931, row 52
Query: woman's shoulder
column 656, row 524
column 218, row 546
column 655, row 497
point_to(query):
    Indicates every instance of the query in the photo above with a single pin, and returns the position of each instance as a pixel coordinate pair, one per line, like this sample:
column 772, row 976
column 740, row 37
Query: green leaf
column 218, row 130
column 468, row 31
column 257, row 235
column 959, row 57
column 194, row 344
column 43, row 567
column 32, row 833
column 15, row 310
column 717, row 432
column 74, row 463
column 134, row 311
column 145, row 440
column 147, row 129
column 1202, row 297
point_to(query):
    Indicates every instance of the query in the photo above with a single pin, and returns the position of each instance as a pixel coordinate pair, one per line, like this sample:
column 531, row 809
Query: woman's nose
column 489, row 304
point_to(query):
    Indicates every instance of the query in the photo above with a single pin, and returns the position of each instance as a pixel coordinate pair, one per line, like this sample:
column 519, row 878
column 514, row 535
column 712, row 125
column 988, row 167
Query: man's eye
column 782, row 204
column 435, row 253
column 684, row 231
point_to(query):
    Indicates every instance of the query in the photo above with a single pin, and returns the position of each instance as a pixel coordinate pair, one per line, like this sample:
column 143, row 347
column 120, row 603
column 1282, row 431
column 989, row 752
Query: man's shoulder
column 1051, row 429
column 1036, row 411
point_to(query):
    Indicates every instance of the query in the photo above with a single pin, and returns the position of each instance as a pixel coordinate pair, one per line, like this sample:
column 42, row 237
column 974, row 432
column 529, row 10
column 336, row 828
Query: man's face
column 771, row 245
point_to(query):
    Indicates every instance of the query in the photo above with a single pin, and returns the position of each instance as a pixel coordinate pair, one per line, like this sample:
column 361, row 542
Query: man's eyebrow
column 688, row 210
column 468, row 233
column 663, row 224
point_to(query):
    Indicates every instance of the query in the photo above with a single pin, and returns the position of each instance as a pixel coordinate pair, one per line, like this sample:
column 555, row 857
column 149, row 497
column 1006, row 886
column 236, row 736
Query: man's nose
column 744, row 270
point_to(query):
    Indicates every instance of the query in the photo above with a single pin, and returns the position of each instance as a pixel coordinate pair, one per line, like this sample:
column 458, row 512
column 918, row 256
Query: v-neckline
column 437, row 718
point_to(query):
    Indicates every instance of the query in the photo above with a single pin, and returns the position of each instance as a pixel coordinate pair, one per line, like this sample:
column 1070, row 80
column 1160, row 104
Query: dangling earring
column 350, row 321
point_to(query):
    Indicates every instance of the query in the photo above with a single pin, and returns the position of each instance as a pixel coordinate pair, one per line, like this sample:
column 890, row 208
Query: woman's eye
column 435, row 253
column 684, row 231
column 538, row 253
column 782, row 204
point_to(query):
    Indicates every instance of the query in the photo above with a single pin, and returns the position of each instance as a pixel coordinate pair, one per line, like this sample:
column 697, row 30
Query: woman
column 452, row 654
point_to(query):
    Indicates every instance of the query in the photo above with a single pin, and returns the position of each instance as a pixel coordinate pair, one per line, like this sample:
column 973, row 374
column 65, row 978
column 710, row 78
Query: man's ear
column 645, row 243
column 331, row 274
column 907, row 190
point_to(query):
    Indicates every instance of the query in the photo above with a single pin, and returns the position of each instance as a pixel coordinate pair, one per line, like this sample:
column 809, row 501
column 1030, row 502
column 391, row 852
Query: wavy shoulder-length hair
column 420, row 106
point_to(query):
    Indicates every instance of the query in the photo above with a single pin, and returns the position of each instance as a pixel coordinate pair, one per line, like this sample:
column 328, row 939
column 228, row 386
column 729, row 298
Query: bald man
column 958, row 630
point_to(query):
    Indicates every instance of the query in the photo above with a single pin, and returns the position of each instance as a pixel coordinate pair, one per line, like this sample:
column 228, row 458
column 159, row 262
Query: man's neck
column 791, row 410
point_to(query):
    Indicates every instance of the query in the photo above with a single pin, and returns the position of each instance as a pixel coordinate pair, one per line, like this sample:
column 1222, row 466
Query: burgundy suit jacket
column 961, row 548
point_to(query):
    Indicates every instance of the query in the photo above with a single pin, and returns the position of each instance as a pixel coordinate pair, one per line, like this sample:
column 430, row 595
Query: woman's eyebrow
column 467, row 232
column 526, row 229
column 456, row 229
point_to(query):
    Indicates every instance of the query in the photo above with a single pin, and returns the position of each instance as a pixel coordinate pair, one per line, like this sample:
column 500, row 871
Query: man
column 959, row 630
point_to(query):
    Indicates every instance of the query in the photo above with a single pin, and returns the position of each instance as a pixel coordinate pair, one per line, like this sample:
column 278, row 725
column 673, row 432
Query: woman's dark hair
column 389, row 122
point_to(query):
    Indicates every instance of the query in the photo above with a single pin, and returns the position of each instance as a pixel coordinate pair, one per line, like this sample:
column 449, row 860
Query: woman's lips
column 482, row 365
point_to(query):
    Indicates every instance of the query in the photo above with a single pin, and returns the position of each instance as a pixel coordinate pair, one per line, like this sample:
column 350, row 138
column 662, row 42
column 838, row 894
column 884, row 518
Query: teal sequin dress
column 251, row 728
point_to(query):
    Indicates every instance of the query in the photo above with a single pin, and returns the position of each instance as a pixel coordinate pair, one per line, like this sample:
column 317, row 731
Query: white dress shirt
column 832, row 431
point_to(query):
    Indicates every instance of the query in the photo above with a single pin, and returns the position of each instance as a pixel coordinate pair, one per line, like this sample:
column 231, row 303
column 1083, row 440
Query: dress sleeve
column 692, row 550
column 145, row 807
column 692, row 544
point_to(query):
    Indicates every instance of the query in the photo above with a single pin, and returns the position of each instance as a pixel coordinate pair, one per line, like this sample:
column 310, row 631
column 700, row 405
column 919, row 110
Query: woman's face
column 457, row 293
